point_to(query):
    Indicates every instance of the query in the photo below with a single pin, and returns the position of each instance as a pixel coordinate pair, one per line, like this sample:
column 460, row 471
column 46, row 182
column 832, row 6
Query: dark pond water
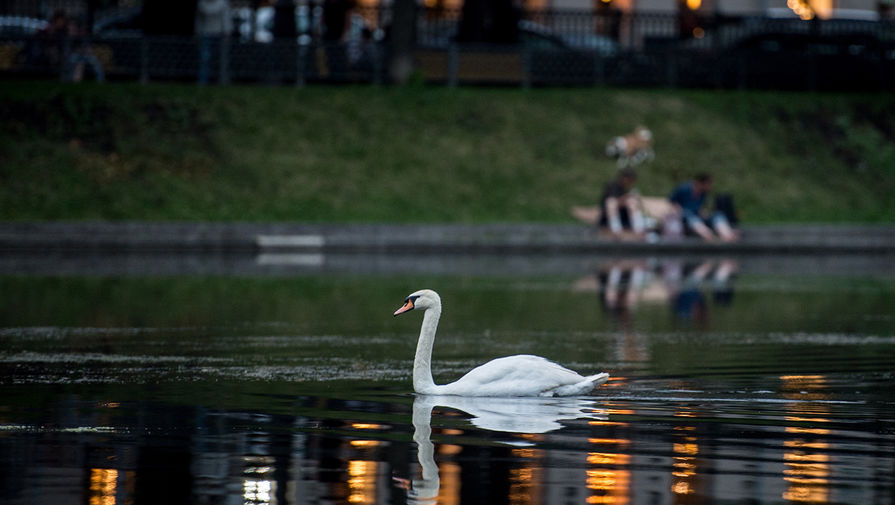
column 286, row 380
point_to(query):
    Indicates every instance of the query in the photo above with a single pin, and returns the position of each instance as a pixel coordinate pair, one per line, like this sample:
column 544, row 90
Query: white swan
column 521, row 375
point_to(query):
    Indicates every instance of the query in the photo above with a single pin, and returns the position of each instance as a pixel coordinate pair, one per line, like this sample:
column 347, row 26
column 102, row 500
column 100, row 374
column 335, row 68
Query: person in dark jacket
column 689, row 199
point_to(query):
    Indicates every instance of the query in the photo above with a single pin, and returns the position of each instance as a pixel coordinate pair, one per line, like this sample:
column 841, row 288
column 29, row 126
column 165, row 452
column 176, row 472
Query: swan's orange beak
column 408, row 305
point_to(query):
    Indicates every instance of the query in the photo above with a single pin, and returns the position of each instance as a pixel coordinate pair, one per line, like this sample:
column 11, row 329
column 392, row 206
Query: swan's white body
column 521, row 375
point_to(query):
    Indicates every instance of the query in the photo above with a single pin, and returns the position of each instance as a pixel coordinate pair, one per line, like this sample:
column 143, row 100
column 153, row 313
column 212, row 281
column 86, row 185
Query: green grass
column 427, row 154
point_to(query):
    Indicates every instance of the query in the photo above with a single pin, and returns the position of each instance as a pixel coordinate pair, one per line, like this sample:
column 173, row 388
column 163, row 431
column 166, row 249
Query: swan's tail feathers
column 598, row 379
column 583, row 387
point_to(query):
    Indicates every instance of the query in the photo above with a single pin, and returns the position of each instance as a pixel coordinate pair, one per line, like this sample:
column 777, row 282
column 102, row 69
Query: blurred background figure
column 689, row 199
column 358, row 38
column 64, row 44
column 620, row 210
column 264, row 22
column 284, row 26
column 213, row 27
column 336, row 19
column 337, row 16
column 50, row 49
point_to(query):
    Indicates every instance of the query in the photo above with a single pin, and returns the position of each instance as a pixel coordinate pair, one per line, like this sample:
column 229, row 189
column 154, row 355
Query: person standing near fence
column 213, row 26
column 336, row 24
column 64, row 43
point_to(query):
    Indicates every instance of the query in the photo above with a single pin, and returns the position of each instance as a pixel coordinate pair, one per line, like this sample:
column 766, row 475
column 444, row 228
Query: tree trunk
column 489, row 21
column 402, row 38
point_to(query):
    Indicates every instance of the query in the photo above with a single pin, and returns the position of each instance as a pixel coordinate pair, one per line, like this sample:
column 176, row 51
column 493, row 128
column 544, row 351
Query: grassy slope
column 427, row 154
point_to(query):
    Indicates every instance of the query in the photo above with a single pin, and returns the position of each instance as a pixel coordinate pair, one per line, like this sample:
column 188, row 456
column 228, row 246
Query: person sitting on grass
column 620, row 206
column 689, row 198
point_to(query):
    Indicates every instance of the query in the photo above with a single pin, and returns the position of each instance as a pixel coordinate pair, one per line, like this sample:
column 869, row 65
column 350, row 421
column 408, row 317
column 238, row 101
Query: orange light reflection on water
column 362, row 482
column 103, row 486
column 806, row 459
column 525, row 481
column 367, row 426
column 525, row 485
column 608, row 475
column 449, row 490
column 685, row 450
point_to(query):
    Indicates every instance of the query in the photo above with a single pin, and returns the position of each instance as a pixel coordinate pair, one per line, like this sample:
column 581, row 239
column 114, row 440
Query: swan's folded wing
column 521, row 375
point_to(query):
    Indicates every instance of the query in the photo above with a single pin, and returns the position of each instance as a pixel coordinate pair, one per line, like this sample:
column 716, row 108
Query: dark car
column 806, row 61
column 567, row 57
column 540, row 36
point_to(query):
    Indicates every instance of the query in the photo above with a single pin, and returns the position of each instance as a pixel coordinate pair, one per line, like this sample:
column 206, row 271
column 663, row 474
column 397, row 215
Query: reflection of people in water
column 624, row 284
column 722, row 282
column 688, row 302
column 619, row 284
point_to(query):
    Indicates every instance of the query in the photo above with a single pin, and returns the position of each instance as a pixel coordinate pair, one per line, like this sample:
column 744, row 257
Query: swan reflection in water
column 507, row 415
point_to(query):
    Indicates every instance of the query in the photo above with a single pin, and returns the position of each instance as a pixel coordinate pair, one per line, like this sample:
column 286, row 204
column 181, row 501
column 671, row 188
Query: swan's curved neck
column 422, row 363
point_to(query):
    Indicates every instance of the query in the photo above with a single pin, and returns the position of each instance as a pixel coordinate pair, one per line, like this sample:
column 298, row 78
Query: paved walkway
column 422, row 238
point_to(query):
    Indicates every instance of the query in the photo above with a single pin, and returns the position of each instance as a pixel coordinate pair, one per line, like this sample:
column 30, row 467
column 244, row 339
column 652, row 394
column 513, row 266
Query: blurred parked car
column 540, row 36
column 566, row 57
column 119, row 22
column 798, row 60
column 736, row 30
column 17, row 26
column 15, row 35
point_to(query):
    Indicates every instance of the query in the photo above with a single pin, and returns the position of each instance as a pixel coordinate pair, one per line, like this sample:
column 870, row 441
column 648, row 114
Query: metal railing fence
column 553, row 48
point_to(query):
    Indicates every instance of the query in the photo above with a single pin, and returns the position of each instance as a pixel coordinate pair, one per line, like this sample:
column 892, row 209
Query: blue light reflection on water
column 772, row 398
